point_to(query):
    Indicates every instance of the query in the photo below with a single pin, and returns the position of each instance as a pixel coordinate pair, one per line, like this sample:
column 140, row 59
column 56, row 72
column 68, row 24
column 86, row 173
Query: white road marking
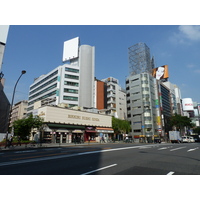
column 28, row 151
column 99, row 169
column 66, row 156
column 177, row 148
column 170, row 173
column 164, row 148
column 192, row 149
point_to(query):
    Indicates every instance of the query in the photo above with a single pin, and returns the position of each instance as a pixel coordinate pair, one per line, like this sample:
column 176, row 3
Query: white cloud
column 190, row 66
column 186, row 34
column 191, row 32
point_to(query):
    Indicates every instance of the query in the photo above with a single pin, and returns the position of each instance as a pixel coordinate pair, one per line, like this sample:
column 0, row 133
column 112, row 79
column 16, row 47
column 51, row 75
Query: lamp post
column 11, row 105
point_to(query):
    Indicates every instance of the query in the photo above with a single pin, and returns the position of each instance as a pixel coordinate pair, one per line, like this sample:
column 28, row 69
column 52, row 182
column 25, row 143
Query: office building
column 139, row 59
column 116, row 98
column 4, row 103
column 141, row 110
column 19, row 110
column 140, row 89
column 71, row 84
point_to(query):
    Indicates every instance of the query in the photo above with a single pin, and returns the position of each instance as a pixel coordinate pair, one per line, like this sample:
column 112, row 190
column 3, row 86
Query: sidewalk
column 45, row 145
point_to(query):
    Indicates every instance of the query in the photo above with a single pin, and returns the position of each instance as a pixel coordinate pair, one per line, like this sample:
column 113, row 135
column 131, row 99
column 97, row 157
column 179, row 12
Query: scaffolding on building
column 139, row 59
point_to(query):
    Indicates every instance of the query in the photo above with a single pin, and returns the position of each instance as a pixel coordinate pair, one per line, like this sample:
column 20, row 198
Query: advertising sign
column 187, row 104
column 160, row 72
column 70, row 49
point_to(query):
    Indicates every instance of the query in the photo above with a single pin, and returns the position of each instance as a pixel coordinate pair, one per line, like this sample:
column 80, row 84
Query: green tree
column 24, row 126
column 180, row 122
column 120, row 126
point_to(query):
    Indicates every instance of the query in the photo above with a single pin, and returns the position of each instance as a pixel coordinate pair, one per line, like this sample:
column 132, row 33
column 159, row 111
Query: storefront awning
column 104, row 130
column 51, row 125
column 77, row 131
column 90, row 131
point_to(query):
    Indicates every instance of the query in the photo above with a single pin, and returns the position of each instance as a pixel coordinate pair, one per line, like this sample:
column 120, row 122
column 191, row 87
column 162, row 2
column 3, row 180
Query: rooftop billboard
column 160, row 72
column 70, row 50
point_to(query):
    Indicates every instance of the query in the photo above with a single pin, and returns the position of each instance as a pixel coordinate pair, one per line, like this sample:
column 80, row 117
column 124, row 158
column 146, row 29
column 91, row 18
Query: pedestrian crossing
column 172, row 148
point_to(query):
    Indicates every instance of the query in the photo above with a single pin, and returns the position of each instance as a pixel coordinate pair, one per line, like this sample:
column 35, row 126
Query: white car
column 192, row 139
column 185, row 139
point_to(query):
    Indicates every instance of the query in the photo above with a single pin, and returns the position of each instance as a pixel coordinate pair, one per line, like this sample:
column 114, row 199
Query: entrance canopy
column 104, row 130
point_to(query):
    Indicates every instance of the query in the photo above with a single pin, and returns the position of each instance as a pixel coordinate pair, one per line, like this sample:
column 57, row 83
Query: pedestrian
column 10, row 141
column 89, row 140
column 19, row 140
column 103, row 139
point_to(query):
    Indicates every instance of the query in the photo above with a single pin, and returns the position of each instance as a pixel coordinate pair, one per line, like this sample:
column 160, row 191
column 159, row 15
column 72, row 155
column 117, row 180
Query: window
column 71, row 76
column 71, row 70
column 70, row 98
column 70, row 91
column 71, row 83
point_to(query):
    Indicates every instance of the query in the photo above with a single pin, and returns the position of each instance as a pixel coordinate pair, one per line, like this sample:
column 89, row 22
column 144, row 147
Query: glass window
column 71, row 83
column 71, row 76
column 70, row 98
column 71, row 70
column 70, row 91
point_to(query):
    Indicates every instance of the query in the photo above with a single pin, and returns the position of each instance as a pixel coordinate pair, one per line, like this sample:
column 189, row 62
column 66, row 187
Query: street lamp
column 11, row 105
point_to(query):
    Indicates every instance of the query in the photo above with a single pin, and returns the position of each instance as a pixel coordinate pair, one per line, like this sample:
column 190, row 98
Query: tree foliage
column 24, row 126
column 120, row 126
column 180, row 121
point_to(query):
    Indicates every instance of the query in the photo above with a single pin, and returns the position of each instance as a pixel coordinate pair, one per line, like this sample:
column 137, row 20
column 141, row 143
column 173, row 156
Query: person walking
column 10, row 141
column 19, row 140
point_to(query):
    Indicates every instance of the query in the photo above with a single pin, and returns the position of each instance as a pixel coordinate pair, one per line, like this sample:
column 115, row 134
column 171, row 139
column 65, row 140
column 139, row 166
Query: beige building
column 19, row 111
column 63, row 125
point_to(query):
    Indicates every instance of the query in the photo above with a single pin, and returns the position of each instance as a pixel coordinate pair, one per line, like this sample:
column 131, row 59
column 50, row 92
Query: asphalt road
column 104, row 159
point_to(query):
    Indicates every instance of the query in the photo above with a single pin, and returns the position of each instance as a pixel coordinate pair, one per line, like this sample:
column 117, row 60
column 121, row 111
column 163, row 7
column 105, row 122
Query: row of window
column 71, row 83
column 43, row 91
column 45, row 79
column 71, row 70
column 43, row 97
column 44, row 85
column 70, row 98
column 71, row 76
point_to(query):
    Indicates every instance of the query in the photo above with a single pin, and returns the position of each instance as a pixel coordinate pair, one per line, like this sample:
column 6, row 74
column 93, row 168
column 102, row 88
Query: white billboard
column 3, row 33
column 70, row 50
column 187, row 104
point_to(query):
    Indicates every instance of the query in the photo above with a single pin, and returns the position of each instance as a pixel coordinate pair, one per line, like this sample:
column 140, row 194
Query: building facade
column 63, row 125
column 141, row 110
column 140, row 91
column 116, row 98
column 4, row 103
column 19, row 111
column 71, row 84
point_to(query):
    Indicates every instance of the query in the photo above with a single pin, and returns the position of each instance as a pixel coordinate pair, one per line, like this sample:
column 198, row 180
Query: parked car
column 185, row 139
column 192, row 139
column 157, row 140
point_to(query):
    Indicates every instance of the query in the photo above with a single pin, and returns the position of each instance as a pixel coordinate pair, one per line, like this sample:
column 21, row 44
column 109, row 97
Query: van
column 185, row 139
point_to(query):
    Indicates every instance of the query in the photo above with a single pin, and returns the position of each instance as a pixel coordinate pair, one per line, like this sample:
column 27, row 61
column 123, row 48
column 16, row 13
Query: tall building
column 140, row 89
column 116, row 98
column 71, row 84
column 141, row 106
column 4, row 103
column 3, row 38
column 101, row 94
column 139, row 59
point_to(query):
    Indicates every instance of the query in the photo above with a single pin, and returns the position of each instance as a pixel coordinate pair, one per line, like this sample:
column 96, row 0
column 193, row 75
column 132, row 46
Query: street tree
column 120, row 126
column 179, row 122
column 24, row 126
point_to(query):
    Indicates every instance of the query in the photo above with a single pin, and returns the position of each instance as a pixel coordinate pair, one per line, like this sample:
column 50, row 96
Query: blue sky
column 38, row 50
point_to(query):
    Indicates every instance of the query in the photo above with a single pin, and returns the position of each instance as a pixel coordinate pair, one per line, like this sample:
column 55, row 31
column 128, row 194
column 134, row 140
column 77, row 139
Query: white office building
column 116, row 98
column 69, row 85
